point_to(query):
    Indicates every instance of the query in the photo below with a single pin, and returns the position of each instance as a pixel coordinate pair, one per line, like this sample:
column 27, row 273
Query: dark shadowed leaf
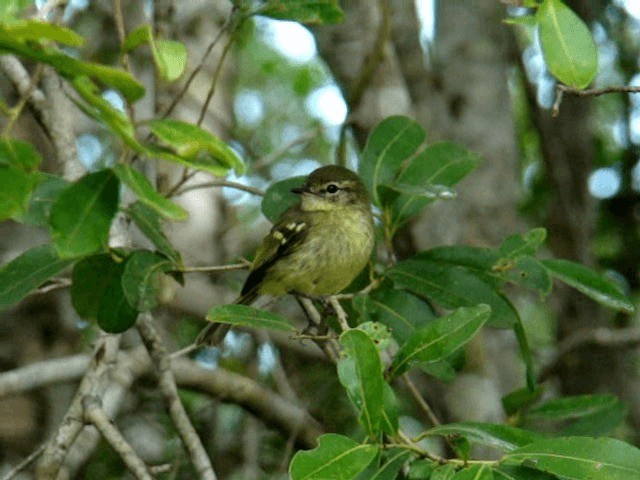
column 453, row 287
column 402, row 312
column 141, row 278
column 304, row 11
column 279, row 197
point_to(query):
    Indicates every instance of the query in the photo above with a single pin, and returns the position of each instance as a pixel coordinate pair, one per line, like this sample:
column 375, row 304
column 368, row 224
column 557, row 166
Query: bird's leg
column 311, row 312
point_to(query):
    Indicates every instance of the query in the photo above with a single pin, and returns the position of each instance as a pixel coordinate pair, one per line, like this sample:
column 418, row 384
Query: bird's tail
column 213, row 334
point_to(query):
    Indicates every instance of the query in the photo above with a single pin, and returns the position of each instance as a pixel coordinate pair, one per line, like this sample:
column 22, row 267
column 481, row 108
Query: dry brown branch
column 95, row 414
column 58, row 447
column 167, row 384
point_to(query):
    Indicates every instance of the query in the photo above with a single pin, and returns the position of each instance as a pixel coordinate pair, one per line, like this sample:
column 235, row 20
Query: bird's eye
column 332, row 188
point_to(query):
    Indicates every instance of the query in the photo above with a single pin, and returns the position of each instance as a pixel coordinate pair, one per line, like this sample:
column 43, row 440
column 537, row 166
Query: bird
column 317, row 247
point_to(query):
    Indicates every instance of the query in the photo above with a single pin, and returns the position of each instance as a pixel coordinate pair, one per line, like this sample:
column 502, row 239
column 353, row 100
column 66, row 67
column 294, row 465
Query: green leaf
column 502, row 437
column 441, row 338
column 442, row 165
column 115, row 315
column 11, row 10
column 475, row 472
column 279, row 197
column 442, row 472
column 516, row 246
column 104, row 112
column 393, row 462
column 141, row 278
column 97, row 293
column 14, row 194
column 336, row 458
column 35, row 30
column 248, row 316
column 392, row 142
column 508, row 472
column 580, row 458
column 169, row 56
column 452, row 287
column 43, row 198
column 316, row 12
column 422, row 469
column 70, row 67
column 525, row 351
column 585, row 280
column 145, row 192
column 149, row 222
column 91, row 278
column 402, row 312
column 195, row 147
column 389, row 420
column 24, row 274
column 18, row 154
column 530, row 272
column 361, row 375
column 567, row 44
column 81, row 217
column 572, row 407
column 520, row 399
column 598, row 424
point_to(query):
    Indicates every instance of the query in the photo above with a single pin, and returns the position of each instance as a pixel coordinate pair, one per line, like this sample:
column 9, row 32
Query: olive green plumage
column 317, row 247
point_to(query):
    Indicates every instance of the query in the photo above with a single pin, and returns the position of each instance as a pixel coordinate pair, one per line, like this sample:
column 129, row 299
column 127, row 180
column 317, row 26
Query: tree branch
column 95, row 414
column 167, row 384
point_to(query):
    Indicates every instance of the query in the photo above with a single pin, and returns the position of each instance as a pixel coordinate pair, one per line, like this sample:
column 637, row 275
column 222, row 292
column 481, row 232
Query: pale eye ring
column 332, row 188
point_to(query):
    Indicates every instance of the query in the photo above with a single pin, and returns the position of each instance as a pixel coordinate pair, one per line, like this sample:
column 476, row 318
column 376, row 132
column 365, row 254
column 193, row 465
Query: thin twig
column 54, row 284
column 374, row 59
column 366, row 290
column 215, row 183
column 167, row 384
column 229, row 22
column 602, row 337
column 329, row 347
column 591, row 92
column 271, row 157
column 416, row 448
column 95, row 414
column 214, row 268
column 214, row 80
column 340, row 313
column 24, row 463
column 422, row 403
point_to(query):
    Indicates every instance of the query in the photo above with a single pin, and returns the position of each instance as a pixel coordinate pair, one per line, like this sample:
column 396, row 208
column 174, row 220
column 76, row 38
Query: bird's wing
column 290, row 230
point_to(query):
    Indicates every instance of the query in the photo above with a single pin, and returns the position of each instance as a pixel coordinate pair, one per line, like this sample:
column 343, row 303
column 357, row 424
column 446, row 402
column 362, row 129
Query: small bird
column 317, row 246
